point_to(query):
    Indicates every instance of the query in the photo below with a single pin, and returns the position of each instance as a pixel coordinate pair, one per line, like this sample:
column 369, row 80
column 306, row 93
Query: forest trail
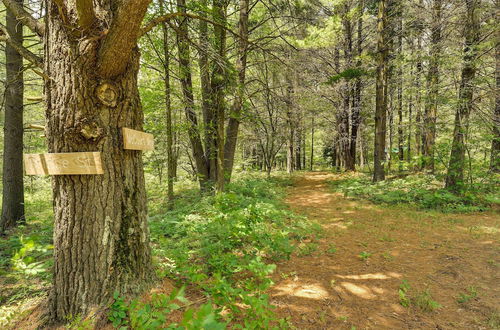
column 329, row 286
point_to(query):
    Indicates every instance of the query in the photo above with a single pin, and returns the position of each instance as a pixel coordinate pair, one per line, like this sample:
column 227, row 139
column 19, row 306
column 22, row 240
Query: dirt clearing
column 371, row 260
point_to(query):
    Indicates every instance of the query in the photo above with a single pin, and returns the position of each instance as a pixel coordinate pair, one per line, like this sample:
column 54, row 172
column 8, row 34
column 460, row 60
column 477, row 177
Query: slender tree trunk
column 168, row 113
column 410, row 121
column 291, row 123
column 187, row 91
column 495, row 144
column 312, row 144
column 418, row 102
column 455, row 175
column 381, row 94
column 13, row 186
column 356, row 106
column 348, row 93
column 430, row 115
column 400, row 91
column 218, row 84
column 208, row 110
column 236, row 110
column 101, row 234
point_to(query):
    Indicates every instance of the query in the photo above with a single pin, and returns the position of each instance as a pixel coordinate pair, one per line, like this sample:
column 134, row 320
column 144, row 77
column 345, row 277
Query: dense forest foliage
column 400, row 96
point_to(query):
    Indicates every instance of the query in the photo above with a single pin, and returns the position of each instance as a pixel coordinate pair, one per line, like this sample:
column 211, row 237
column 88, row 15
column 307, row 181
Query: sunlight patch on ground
column 361, row 291
column 376, row 276
column 489, row 230
column 311, row 291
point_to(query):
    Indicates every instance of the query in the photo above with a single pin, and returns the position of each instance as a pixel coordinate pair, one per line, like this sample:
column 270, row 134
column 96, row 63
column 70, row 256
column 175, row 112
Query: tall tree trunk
column 185, row 78
column 312, row 144
column 236, row 110
column 356, row 105
column 168, row 113
column 207, row 109
column 429, row 133
column 13, row 187
column 290, row 117
column 400, row 89
column 381, row 94
column 101, row 234
column 455, row 175
column 348, row 92
column 418, row 98
column 218, row 84
column 495, row 144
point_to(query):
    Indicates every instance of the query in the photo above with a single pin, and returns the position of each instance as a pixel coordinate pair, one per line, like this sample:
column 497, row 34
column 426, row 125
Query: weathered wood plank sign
column 137, row 140
column 70, row 163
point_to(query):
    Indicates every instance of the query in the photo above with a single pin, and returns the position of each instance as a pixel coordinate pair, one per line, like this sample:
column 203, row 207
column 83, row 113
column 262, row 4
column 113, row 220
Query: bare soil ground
column 332, row 287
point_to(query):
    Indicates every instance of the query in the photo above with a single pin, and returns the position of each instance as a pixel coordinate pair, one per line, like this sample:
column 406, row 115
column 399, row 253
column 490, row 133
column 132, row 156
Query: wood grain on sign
column 137, row 140
column 71, row 163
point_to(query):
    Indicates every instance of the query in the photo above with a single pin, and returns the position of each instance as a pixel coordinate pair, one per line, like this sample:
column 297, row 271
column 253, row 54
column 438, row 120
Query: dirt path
column 329, row 286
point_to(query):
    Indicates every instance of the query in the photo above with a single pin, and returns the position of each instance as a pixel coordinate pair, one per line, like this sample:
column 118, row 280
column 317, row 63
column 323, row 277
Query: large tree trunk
column 381, row 95
column 13, row 187
column 455, row 175
column 101, row 235
column 430, row 114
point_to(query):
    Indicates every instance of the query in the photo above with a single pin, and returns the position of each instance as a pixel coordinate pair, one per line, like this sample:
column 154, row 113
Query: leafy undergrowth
column 225, row 246
column 26, row 254
column 220, row 247
column 423, row 191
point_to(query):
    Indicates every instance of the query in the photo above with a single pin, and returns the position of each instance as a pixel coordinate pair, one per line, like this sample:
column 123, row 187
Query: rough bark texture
column 13, row 187
column 101, row 235
column 381, row 95
column 455, row 175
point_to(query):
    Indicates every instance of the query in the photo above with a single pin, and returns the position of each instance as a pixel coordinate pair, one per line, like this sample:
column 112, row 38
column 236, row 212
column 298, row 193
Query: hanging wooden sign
column 137, row 140
column 70, row 163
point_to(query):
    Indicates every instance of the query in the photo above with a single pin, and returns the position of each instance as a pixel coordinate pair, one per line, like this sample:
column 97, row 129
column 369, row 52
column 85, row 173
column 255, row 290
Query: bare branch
column 25, row 53
column 24, row 17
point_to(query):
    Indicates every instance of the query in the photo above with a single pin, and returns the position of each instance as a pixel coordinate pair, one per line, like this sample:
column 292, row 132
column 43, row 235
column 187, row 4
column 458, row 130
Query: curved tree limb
column 86, row 14
column 119, row 42
column 24, row 17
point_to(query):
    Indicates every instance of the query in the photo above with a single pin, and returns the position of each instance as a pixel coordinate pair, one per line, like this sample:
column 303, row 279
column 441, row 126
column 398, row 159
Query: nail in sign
column 137, row 140
column 70, row 163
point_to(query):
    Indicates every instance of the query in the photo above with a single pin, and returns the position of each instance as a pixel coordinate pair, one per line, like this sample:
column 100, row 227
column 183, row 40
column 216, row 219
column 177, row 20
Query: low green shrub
column 423, row 191
column 225, row 245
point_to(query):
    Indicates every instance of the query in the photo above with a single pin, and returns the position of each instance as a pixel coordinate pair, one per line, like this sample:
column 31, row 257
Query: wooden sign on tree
column 137, row 140
column 71, row 163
